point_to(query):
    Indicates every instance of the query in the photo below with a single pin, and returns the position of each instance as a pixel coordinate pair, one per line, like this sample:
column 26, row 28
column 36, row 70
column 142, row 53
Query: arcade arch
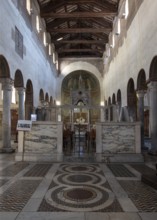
column 131, row 100
column 113, row 99
column 41, row 96
column 29, row 99
column 7, row 84
column 152, row 86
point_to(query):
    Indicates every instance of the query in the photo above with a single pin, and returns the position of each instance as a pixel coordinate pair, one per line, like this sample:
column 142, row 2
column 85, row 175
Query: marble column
column 47, row 114
column 102, row 114
column 109, row 113
column 153, row 114
column 118, row 110
column 6, row 118
column 53, row 114
column 59, row 117
column 106, row 114
column 114, row 113
column 140, row 112
column 21, row 110
column 72, row 119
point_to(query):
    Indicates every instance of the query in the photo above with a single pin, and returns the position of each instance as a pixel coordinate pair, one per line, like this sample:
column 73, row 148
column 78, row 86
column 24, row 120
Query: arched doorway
column 131, row 100
column 80, row 98
column 29, row 100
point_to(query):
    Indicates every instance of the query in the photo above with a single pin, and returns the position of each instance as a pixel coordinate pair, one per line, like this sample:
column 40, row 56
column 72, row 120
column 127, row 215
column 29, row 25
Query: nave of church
column 78, row 100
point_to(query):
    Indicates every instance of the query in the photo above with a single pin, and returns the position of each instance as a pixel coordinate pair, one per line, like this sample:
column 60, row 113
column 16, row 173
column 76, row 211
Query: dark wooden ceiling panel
column 79, row 27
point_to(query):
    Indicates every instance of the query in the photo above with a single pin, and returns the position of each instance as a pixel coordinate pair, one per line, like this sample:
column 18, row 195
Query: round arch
column 119, row 96
column 131, row 99
column 153, row 70
column 79, row 66
column 29, row 99
column 4, row 68
column 81, row 88
column 80, row 81
column 41, row 95
column 141, row 80
column 113, row 99
column 47, row 97
column 109, row 101
column 18, row 80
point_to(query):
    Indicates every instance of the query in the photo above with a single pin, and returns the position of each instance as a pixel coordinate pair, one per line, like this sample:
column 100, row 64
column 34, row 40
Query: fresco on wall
column 84, row 85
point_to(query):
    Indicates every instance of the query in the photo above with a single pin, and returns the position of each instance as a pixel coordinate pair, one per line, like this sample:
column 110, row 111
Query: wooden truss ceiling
column 79, row 28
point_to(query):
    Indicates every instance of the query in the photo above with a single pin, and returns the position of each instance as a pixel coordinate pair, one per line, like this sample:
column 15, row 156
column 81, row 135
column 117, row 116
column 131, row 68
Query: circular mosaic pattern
column 90, row 198
column 79, row 178
column 79, row 194
column 80, row 168
column 79, row 188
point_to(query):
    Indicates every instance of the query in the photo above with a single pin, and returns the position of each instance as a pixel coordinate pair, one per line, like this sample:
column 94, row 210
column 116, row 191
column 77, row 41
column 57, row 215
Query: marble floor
column 75, row 190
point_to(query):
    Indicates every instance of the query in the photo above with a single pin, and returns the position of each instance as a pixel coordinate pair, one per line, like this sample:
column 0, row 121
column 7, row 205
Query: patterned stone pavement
column 14, row 169
column 119, row 170
column 81, row 191
column 15, row 198
column 143, row 196
column 79, row 188
column 2, row 182
column 38, row 170
column 143, row 169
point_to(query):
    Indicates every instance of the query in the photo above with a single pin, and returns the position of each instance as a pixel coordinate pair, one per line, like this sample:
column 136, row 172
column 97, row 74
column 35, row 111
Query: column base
column 7, row 150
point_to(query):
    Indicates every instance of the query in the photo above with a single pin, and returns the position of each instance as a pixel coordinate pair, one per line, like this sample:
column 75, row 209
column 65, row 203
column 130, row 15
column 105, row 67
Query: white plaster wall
column 34, row 65
column 74, row 66
column 138, row 49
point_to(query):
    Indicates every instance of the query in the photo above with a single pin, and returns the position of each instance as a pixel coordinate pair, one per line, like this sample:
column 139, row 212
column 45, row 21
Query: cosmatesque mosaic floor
column 74, row 191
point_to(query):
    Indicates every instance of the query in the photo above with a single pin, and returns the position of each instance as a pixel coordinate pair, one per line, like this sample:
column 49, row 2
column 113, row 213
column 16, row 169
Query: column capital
column 20, row 89
column 152, row 85
column 7, row 83
column 141, row 93
column 118, row 103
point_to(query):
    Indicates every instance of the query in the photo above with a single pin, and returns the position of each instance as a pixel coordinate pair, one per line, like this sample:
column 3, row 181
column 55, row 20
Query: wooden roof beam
column 79, row 15
column 52, row 5
column 80, row 30
column 80, row 42
column 60, row 21
column 78, row 50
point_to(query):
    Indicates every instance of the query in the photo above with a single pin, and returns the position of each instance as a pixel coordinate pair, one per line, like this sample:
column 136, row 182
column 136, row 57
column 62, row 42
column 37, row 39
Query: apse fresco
column 81, row 88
